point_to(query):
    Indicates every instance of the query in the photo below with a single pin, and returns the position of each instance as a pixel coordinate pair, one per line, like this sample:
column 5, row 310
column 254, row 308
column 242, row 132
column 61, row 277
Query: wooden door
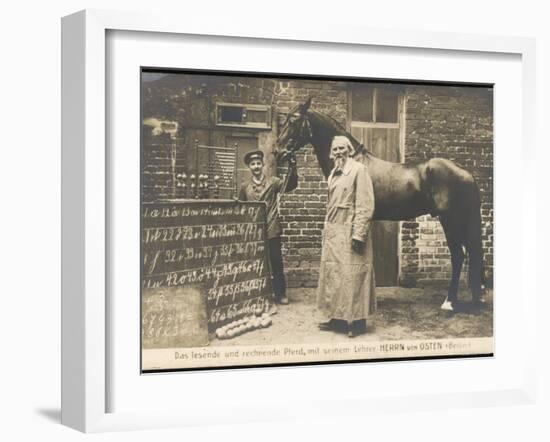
column 384, row 144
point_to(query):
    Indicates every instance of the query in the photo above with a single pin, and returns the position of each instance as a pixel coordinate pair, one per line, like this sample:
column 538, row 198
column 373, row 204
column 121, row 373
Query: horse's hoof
column 447, row 306
column 479, row 303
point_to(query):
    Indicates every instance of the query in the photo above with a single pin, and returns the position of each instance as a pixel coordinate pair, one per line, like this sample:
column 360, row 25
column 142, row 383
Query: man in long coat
column 346, row 291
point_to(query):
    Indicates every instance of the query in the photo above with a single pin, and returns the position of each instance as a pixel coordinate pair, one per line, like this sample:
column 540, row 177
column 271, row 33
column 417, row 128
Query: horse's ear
column 305, row 106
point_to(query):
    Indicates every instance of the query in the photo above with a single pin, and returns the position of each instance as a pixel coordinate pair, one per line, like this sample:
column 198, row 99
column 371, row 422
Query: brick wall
column 453, row 123
column 190, row 101
column 157, row 173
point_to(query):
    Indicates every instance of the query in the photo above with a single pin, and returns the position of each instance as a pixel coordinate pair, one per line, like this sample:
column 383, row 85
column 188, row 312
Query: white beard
column 339, row 162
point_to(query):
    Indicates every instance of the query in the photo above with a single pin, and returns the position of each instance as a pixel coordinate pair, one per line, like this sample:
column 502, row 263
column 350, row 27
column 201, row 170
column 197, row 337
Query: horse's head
column 296, row 130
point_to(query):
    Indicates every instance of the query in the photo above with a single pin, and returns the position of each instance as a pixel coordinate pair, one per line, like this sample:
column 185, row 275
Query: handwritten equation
column 173, row 317
column 219, row 246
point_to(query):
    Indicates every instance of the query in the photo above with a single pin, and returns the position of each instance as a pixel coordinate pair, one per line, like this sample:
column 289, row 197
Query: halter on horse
column 403, row 191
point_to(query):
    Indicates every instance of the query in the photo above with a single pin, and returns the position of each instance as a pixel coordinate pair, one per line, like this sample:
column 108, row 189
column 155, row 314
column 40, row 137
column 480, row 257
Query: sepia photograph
column 298, row 220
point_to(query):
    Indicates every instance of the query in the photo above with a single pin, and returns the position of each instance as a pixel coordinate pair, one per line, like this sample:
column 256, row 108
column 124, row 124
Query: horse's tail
column 474, row 246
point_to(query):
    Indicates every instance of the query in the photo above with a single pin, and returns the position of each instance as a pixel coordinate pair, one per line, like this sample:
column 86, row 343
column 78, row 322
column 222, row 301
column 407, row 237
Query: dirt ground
column 402, row 314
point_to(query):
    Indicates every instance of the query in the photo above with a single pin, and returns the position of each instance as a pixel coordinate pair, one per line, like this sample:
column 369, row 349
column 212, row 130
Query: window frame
column 374, row 123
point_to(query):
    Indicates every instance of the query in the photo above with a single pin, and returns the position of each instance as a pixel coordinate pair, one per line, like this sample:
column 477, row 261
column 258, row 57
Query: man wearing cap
column 261, row 188
column 346, row 289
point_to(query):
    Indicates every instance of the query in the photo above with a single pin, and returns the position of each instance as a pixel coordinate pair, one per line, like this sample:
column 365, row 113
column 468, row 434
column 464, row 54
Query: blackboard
column 216, row 245
column 173, row 317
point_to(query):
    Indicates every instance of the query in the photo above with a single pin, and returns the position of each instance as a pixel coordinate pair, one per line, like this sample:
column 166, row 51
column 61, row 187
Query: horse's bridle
column 304, row 135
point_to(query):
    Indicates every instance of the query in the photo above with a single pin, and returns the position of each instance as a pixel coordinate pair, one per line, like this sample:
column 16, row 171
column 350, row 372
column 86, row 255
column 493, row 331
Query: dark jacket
column 268, row 191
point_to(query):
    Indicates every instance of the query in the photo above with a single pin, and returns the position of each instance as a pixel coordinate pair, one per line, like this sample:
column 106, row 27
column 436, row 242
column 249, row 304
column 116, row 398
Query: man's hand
column 357, row 246
column 290, row 157
column 291, row 160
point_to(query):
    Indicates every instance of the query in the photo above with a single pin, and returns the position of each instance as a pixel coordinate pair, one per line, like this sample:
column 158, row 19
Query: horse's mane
column 338, row 129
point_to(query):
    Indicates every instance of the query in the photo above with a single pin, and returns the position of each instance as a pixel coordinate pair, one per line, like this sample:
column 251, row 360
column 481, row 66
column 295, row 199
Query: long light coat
column 346, row 288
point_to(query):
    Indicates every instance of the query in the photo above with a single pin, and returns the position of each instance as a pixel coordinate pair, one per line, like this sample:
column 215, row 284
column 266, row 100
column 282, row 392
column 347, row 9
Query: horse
column 404, row 191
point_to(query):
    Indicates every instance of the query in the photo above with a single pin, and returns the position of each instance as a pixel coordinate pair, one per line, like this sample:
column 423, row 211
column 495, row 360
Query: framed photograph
column 242, row 262
column 242, row 215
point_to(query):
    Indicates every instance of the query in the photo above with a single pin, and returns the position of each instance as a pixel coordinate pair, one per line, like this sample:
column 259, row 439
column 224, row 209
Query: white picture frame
column 87, row 356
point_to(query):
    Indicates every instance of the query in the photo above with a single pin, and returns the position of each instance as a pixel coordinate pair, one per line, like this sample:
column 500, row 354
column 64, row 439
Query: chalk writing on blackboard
column 173, row 317
column 217, row 245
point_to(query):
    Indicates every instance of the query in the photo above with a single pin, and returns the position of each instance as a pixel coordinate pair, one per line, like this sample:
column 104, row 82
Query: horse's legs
column 474, row 276
column 475, row 256
column 454, row 242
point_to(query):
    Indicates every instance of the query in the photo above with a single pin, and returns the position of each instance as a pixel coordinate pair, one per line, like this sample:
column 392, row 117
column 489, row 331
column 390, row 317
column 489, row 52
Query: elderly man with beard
column 346, row 291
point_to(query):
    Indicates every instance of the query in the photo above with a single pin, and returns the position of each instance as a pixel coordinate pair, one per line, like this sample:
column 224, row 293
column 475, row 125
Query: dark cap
column 254, row 155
